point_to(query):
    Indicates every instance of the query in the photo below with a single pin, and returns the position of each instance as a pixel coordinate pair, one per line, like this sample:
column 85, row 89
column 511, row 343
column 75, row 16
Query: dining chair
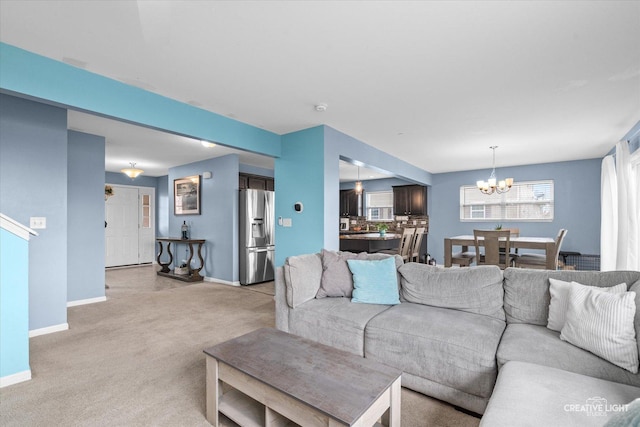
column 492, row 241
column 405, row 246
column 539, row 261
column 414, row 254
column 515, row 232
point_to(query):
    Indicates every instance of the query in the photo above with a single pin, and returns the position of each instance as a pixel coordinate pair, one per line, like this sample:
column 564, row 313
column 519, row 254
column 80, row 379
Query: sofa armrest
column 282, row 308
column 302, row 277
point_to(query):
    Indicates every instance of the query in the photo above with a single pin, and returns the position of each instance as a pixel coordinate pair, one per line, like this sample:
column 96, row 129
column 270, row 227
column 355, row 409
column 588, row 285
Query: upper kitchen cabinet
column 409, row 200
column 255, row 182
column 349, row 203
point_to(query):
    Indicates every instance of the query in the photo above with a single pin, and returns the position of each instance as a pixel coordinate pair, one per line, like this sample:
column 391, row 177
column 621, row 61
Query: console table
column 194, row 275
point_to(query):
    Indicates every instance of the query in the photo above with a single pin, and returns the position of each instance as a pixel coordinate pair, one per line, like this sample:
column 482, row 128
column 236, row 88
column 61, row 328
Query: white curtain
column 609, row 216
column 634, row 252
column 620, row 221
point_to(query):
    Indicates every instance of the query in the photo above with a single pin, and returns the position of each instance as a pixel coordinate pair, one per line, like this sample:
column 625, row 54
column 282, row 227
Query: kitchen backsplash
column 361, row 222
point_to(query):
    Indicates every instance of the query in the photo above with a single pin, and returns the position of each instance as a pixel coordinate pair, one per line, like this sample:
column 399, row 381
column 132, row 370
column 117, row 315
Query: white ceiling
column 434, row 83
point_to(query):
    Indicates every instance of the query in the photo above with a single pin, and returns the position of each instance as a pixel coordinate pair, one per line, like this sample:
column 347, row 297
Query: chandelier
column 492, row 184
column 132, row 172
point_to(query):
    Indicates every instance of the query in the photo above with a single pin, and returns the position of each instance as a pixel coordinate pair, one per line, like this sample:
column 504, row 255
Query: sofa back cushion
column 302, row 275
column 526, row 291
column 474, row 290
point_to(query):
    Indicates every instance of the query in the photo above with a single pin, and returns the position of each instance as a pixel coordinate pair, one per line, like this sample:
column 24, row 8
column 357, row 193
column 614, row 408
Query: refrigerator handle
column 258, row 250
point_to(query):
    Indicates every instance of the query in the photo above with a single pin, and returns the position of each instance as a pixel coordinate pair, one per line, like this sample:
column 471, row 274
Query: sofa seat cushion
column 336, row 322
column 527, row 394
column 450, row 347
column 542, row 346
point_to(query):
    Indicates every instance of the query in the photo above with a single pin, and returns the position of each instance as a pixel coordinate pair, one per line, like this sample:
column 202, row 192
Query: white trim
column 224, row 282
column 12, row 379
column 48, row 330
column 86, row 301
column 13, row 226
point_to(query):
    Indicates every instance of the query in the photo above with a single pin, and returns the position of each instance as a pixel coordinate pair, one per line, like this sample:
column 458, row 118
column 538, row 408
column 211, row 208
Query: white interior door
column 130, row 228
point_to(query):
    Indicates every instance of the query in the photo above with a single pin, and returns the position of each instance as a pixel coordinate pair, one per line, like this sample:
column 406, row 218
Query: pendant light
column 358, row 183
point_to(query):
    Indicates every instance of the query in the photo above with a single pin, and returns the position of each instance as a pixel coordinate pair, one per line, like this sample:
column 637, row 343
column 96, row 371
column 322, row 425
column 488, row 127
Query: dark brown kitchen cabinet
column 409, row 200
column 255, row 182
column 348, row 203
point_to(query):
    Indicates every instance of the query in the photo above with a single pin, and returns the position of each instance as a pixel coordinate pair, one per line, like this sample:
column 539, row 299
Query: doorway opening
column 130, row 226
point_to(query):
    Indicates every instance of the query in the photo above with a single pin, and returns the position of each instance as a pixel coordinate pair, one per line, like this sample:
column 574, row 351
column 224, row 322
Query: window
column 146, row 211
column 526, row 201
column 379, row 206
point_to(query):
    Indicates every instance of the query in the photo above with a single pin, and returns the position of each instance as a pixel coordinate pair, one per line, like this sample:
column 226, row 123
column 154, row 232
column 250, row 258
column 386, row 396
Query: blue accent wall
column 299, row 177
column 14, row 304
column 577, row 205
column 218, row 219
column 85, row 219
column 33, row 183
column 308, row 171
column 38, row 77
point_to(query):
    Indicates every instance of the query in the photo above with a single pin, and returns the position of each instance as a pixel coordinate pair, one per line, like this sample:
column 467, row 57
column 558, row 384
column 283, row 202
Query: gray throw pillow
column 337, row 280
column 472, row 289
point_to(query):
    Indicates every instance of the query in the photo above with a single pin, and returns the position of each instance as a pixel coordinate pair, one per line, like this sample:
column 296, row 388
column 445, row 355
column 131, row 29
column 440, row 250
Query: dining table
column 547, row 244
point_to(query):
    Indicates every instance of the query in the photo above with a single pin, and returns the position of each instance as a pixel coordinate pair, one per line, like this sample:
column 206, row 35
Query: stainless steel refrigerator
column 257, row 229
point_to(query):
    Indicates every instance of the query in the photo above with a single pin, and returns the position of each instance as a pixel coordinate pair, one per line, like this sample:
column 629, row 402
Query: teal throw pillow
column 374, row 282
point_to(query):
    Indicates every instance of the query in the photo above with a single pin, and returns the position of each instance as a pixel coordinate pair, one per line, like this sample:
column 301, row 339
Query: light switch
column 38, row 222
column 286, row 222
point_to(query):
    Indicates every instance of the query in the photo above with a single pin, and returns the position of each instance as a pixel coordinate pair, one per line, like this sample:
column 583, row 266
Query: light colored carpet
column 137, row 360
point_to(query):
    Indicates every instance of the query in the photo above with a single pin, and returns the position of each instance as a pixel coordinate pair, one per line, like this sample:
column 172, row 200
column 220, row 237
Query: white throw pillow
column 559, row 291
column 602, row 323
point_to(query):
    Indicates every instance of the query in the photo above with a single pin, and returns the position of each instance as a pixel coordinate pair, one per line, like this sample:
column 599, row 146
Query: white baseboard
column 12, row 379
column 48, row 330
column 86, row 301
column 224, row 282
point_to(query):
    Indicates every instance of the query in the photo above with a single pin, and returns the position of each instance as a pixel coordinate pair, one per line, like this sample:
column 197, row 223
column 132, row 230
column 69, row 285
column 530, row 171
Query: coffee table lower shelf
column 245, row 411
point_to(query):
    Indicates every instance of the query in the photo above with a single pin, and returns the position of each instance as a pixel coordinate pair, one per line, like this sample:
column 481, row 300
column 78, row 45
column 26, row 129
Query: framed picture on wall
column 186, row 195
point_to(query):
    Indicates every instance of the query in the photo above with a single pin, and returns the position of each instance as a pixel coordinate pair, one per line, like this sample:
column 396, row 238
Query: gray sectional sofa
column 474, row 337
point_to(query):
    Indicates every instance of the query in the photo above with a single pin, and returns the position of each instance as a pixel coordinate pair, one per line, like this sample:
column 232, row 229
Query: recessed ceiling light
column 322, row 107
column 207, row 144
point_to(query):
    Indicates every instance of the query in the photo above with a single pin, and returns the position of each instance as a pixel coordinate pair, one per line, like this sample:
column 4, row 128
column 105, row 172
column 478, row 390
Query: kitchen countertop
column 370, row 236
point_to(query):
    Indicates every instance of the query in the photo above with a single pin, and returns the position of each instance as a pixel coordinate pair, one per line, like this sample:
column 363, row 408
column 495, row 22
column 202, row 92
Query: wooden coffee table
column 276, row 378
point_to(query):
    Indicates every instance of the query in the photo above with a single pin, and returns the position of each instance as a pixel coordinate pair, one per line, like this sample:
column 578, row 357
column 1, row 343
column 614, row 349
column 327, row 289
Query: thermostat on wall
column 298, row 207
